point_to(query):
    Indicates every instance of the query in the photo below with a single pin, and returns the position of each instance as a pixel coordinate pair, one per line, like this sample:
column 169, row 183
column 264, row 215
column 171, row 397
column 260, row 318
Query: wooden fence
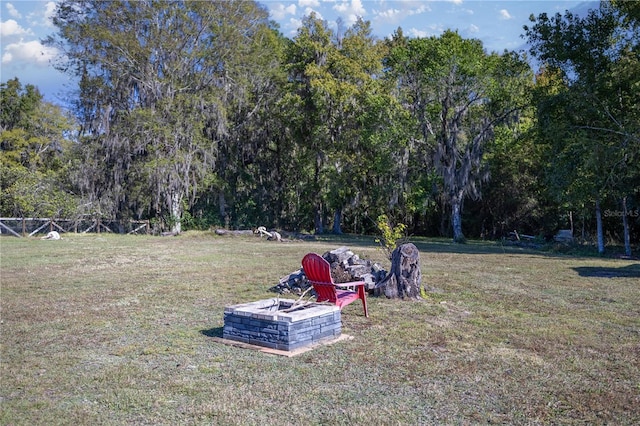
column 29, row 226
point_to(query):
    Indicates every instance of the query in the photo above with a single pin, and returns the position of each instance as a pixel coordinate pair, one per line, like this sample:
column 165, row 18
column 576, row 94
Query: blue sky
column 24, row 23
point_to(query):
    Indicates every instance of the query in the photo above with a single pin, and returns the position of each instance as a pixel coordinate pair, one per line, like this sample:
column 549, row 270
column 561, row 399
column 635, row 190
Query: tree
column 34, row 150
column 254, row 168
column 334, row 82
column 459, row 94
column 591, row 121
column 516, row 197
column 156, row 82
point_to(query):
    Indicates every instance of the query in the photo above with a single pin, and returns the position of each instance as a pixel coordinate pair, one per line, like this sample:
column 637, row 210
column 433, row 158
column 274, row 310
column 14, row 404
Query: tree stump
column 404, row 278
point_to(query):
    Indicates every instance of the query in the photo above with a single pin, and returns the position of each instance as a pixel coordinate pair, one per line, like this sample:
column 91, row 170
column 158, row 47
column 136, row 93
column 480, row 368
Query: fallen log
column 234, row 232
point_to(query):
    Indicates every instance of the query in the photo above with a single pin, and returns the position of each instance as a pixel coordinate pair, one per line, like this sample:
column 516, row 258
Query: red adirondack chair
column 318, row 272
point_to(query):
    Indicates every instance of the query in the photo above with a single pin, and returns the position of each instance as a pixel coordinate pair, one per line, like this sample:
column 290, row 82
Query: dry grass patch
column 117, row 330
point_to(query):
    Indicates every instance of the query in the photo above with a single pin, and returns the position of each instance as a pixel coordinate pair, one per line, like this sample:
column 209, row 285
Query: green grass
column 103, row 329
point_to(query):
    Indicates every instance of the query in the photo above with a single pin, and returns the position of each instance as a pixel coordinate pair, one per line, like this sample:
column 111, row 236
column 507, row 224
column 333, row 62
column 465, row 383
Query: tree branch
column 604, row 129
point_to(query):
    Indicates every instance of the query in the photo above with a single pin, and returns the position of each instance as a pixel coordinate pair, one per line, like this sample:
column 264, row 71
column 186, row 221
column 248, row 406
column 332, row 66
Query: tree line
column 198, row 114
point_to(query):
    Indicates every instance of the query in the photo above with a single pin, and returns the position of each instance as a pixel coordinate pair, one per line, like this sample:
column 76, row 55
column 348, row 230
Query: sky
column 498, row 23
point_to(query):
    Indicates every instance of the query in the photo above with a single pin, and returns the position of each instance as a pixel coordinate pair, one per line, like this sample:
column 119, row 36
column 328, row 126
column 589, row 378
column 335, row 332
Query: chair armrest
column 353, row 284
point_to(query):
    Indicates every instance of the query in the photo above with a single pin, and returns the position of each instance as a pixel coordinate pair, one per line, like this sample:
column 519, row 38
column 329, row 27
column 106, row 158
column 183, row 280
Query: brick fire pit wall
column 263, row 323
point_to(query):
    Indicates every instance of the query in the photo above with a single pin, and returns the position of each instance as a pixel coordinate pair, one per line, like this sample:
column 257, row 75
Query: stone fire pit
column 263, row 323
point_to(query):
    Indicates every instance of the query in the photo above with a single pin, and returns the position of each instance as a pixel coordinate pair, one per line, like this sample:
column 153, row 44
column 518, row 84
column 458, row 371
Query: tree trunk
column 337, row 219
column 456, row 220
column 319, row 224
column 571, row 221
column 599, row 229
column 625, row 227
column 404, row 278
column 222, row 206
column 176, row 213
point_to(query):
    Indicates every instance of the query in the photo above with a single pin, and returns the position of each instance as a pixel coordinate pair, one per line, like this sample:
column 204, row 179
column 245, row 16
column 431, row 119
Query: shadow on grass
column 629, row 271
column 213, row 332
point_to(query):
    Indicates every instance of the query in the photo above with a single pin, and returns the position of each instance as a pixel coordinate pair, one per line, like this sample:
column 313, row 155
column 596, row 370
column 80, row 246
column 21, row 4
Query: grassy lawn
column 103, row 329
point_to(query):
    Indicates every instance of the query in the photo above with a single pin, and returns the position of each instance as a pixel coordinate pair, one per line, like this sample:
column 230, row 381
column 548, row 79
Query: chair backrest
column 318, row 272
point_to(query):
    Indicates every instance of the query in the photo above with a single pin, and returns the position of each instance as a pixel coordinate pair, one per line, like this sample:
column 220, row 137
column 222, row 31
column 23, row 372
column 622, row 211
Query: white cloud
column 389, row 14
column 42, row 17
column 280, row 11
column 342, row 7
column 293, row 26
column 11, row 28
column 414, row 32
column 308, row 11
column 473, row 29
column 504, row 14
column 352, row 9
column 405, row 9
column 432, row 30
column 49, row 11
column 308, row 3
column 31, row 52
column 419, row 10
column 352, row 6
column 13, row 12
